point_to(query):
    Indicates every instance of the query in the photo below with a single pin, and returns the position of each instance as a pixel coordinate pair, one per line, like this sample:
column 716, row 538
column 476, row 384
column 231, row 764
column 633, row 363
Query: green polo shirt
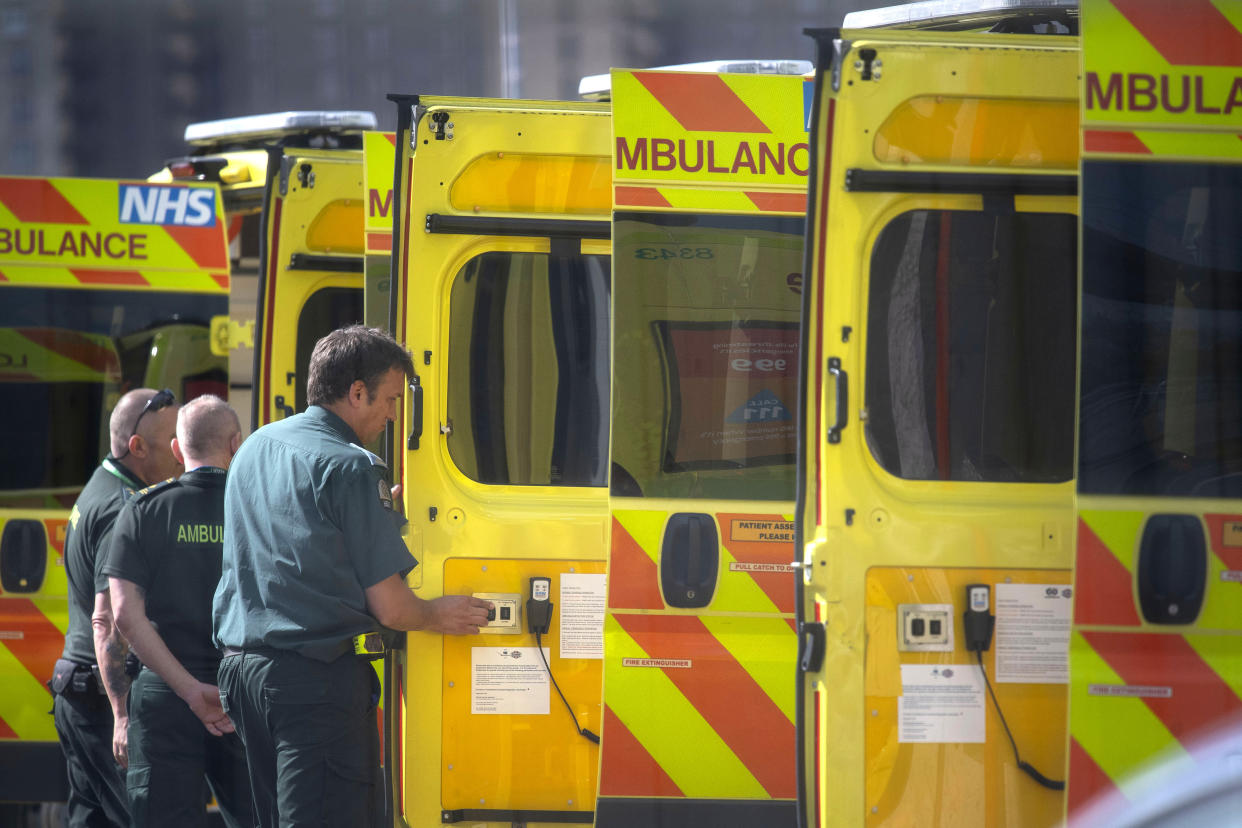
column 86, row 539
column 167, row 540
column 308, row 527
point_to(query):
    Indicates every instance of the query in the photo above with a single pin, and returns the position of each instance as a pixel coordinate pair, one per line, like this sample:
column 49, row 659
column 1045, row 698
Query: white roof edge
column 599, row 87
column 930, row 11
column 275, row 124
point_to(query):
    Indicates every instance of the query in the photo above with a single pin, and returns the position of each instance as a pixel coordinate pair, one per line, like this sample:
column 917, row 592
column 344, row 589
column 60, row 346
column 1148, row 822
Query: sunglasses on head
column 161, row 399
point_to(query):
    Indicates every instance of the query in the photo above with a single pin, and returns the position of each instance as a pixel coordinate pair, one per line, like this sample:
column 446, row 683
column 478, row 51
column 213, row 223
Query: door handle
column 689, row 560
column 841, row 381
column 416, row 425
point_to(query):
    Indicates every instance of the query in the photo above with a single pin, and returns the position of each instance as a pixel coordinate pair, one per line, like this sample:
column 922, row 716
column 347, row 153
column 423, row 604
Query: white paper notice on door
column 941, row 703
column 1033, row 633
column 583, row 598
column 508, row 680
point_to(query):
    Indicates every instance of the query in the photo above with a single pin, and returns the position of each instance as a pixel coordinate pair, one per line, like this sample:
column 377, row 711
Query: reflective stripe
column 667, row 725
column 1103, row 592
column 1096, row 721
column 705, row 700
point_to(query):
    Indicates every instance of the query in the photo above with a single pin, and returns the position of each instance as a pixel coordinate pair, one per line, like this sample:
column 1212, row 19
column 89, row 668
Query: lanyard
column 121, row 473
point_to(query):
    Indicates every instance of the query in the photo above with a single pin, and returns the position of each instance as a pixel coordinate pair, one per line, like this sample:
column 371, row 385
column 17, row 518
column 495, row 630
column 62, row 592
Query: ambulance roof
column 276, row 125
column 957, row 14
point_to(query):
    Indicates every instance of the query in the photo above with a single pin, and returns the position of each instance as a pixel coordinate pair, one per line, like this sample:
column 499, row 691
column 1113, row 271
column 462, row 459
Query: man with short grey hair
column 89, row 681
column 163, row 566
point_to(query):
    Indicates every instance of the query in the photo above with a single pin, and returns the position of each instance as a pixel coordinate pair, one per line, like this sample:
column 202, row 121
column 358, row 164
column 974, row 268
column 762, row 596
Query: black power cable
column 1052, row 784
column 581, row 730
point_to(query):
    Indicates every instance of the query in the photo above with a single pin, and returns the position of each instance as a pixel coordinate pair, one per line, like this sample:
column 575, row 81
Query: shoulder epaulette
column 153, row 488
column 375, row 459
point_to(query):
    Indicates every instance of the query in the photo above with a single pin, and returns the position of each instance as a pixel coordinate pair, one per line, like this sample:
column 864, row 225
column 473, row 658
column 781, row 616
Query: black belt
column 269, row 652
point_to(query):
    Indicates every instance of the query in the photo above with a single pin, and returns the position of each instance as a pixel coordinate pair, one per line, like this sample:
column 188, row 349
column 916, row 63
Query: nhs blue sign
column 156, row 204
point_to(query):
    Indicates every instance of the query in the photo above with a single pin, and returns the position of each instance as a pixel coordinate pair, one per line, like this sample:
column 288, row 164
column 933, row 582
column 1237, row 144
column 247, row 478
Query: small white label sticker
column 941, row 703
column 508, row 680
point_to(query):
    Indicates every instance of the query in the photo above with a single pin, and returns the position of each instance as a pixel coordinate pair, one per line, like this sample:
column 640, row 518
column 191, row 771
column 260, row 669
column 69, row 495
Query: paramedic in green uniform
column 313, row 556
column 140, row 431
column 163, row 566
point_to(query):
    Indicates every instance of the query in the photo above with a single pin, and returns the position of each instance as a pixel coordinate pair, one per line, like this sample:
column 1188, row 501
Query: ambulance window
column 66, row 356
column 970, row 343
column 528, row 369
column 1161, row 404
column 706, row 316
column 325, row 310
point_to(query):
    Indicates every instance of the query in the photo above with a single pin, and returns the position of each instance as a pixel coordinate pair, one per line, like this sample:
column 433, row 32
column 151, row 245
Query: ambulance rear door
column 938, row 409
column 502, row 294
column 710, row 177
column 311, row 267
column 1156, row 655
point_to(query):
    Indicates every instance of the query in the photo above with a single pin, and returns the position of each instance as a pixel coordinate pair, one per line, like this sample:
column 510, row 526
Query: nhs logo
column 187, row 206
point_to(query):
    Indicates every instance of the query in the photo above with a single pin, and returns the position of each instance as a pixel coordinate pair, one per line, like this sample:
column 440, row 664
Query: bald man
column 163, row 566
column 92, row 664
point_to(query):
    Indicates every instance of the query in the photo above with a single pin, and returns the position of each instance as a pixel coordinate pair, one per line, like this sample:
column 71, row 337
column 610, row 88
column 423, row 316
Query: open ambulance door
column 710, row 178
column 1156, row 655
column 311, row 267
column 938, row 412
column 501, row 292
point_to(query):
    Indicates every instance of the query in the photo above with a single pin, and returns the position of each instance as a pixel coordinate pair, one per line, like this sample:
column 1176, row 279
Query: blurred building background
column 106, row 87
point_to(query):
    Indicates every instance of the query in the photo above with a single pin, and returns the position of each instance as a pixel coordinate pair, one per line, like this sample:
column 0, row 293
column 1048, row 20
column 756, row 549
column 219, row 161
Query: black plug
column 977, row 620
column 539, row 605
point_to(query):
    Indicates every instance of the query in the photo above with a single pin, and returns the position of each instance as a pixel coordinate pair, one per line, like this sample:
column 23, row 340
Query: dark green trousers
column 309, row 729
column 96, row 782
column 171, row 756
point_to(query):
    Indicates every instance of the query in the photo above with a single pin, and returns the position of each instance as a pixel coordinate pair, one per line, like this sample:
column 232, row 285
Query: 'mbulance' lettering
column 72, row 244
column 704, row 155
column 1175, row 94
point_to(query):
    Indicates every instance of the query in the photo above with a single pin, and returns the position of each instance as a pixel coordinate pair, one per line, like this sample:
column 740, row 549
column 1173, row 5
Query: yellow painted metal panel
column 956, row 783
column 531, row 761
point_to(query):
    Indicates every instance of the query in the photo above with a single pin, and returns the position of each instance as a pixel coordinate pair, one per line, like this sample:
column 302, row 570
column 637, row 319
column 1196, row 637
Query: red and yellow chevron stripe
column 32, row 635
column 107, row 233
column 1189, row 145
column 1141, row 692
column 107, row 279
column 698, row 705
column 1107, row 545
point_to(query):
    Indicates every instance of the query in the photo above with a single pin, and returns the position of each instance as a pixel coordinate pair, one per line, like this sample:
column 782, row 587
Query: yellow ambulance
column 527, row 235
column 116, row 285
column 1017, row 506
column 295, row 199
column 104, row 286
